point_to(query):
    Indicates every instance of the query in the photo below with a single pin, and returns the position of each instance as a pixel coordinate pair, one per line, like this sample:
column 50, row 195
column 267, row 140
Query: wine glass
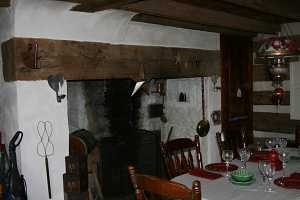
column 261, row 168
column 244, row 155
column 270, row 172
column 282, row 142
column 227, row 155
column 283, row 157
column 270, row 143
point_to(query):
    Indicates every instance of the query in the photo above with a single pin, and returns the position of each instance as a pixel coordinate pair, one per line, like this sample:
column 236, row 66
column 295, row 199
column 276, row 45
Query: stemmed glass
column 270, row 142
column 227, row 155
column 282, row 142
column 244, row 155
column 283, row 157
column 262, row 164
column 269, row 172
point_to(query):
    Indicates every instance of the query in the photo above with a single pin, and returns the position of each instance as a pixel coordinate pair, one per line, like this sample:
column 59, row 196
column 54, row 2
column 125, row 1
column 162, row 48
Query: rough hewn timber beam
column 187, row 25
column 96, row 5
column 287, row 8
column 238, row 9
column 90, row 61
column 188, row 13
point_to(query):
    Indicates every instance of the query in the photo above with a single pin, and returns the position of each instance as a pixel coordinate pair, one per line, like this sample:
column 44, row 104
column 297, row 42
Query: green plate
column 242, row 183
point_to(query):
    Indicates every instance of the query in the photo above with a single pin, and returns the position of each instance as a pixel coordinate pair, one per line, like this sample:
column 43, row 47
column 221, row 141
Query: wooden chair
column 179, row 154
column 150, row 188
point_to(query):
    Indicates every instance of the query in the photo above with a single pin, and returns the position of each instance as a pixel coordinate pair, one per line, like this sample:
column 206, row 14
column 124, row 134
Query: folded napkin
column 291, row 182
column 295, row 175
column 205, row 174
column 260, row 155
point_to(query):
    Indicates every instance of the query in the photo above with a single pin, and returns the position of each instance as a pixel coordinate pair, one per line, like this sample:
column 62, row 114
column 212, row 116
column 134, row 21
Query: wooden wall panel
column 261, row 73
column 88, row 61
column 274, row 122
column 265, row 98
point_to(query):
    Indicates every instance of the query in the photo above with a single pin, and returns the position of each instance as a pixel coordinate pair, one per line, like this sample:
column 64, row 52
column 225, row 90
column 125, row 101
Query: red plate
column 285, row 183
column 221, row 167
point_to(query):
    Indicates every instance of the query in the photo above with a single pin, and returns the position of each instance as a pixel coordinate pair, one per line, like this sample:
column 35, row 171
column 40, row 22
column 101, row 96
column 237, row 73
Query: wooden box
column 75, row 183
column 77, row 164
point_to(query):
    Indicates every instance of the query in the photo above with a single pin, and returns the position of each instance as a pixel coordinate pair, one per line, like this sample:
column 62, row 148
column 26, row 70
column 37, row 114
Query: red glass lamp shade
column 278, row 47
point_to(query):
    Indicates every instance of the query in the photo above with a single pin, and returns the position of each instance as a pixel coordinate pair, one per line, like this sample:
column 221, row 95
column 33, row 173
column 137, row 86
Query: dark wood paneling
column 265, row 98
column 261, row 73
column 274, row 122
column 193, row 14
column 236, row 56
column 88, row 61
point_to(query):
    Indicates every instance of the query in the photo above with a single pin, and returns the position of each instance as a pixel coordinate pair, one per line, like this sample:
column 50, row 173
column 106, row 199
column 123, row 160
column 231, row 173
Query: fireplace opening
column 106, row 109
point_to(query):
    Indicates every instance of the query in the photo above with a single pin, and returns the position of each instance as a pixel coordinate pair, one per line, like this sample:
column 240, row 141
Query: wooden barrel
column 82, row 142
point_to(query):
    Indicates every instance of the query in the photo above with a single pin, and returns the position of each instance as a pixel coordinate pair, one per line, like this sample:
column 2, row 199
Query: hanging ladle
column 203, row 126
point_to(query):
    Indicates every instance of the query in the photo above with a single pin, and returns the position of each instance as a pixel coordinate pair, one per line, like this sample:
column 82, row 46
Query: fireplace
column 106, row 109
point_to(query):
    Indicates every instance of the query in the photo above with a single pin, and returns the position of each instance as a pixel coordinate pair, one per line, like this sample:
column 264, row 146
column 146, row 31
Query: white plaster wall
column 184, row 116
column 52, row 19
column 77, row 111
column 28, row 102
column 36, row 101
column 8, row 111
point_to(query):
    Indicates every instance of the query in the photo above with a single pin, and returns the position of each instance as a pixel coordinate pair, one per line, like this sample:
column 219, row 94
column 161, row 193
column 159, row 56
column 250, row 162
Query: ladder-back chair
column 179, row 155
column 153, row 188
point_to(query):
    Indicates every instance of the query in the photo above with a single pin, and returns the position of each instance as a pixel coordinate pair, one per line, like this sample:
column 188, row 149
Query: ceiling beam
column 238, row 9
column 287, row 8
column 187, row 25
column 188, row 13
column 96, row 5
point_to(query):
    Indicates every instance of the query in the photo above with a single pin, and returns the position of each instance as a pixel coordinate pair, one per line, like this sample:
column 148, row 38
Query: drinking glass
column 270, row 172
column 283, row 157
column 270, row 142
column 261, row 168
column 282, row 142
column 244, row 155
column 227, row 155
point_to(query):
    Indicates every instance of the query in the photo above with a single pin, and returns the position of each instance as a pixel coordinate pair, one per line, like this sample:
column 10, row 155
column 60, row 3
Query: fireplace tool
column 17, row 184
column 45, row 147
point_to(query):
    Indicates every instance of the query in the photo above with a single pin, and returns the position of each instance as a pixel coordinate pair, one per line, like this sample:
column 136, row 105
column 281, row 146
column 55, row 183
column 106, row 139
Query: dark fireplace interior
column 113, row 118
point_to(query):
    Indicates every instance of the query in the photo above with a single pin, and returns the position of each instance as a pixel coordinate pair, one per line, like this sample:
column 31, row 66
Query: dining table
column 223, row 189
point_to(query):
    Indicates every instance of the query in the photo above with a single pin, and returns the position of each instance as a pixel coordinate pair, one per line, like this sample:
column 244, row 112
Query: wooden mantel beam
column 174, row 10
column 90, row 61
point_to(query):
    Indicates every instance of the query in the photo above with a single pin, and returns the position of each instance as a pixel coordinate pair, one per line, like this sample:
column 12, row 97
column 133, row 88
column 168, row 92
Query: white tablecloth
column 223, row 189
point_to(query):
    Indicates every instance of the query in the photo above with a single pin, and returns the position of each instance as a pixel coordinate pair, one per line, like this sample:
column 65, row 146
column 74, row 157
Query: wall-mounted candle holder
column 214, row 80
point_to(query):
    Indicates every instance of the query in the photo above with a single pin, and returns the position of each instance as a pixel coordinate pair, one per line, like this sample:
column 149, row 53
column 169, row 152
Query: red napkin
column 295, row 175
column 205, row 174
column 291, row 182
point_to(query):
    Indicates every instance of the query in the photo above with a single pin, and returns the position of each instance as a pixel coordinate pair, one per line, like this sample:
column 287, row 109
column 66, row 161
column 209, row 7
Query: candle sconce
column 214, row 80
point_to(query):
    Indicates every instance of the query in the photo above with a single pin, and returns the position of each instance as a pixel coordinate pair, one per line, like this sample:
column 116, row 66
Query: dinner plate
column 221, row 167
column 280, row 182
column 242, row 182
